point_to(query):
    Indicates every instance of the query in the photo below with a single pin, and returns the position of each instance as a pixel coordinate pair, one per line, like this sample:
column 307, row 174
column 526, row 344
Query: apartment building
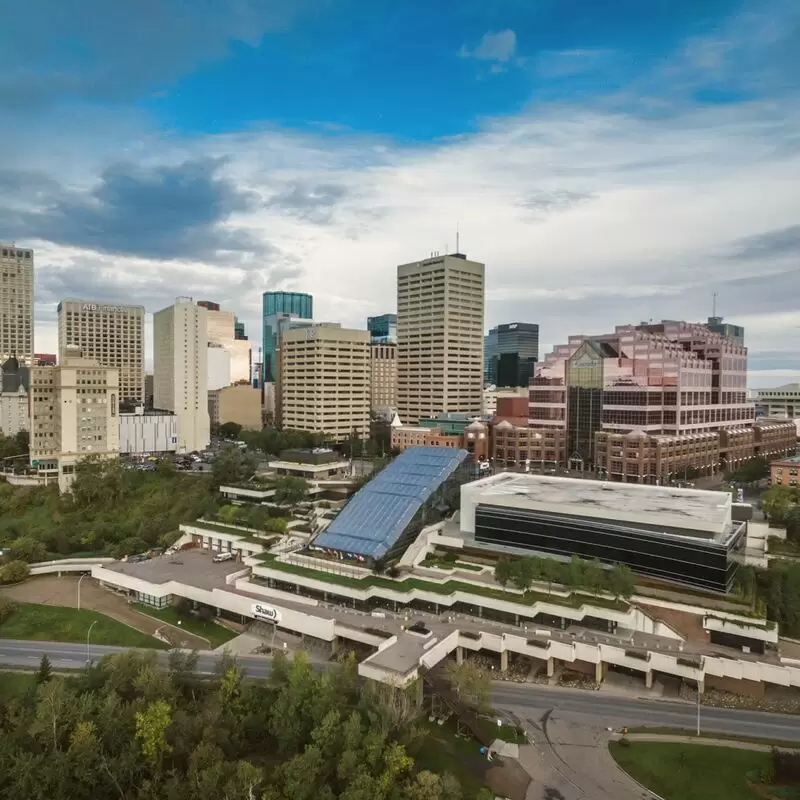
column 112, row 335
column 383, row 375
column 785, row 472
column 325, row 380
column 673, row 380
column 14, row 398
column 16, row 303
column 440, row 311
column 74, row 414
column 180, row 371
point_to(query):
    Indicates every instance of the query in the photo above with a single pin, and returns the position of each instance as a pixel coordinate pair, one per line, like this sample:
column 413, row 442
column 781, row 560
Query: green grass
column 215, row 634
column 446, row 588
column 691, row 771
column 55, row 624
column 15, row 684
column 443, row 751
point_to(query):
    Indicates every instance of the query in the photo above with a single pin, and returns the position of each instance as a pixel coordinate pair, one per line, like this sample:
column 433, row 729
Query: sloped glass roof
column 377, row 515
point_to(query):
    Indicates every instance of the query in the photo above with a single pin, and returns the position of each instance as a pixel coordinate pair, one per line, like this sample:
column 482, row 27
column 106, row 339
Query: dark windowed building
column 383, row 329
column 683, row 536
column 278, row 307
column 510, row 354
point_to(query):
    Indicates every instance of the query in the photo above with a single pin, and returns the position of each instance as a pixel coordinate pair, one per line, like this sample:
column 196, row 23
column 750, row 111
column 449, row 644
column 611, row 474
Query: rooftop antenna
column 458, row 250
column 714, row 304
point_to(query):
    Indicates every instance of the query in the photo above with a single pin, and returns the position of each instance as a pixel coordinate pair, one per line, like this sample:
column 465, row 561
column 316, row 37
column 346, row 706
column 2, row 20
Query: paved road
column 527, row 702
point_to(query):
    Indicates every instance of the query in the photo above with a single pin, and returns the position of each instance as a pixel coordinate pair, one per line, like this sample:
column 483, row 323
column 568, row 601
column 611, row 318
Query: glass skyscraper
column 383, row 329
column 277, row 306
column 510, row 354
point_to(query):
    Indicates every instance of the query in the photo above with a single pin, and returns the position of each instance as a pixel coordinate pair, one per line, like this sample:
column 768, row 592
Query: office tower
column 514, row 353
column 229, row 357
column 383, row 374
column 489, row 350
column 277, row 306
column 779, row 402
column 440, row 305
column 238, row 330
column 14, row 402
column 180, row 371
column 647, row 401
column 733, row 332
column 112, row 335
column 383, row 329
column 74, row 414
column 324, row 381
column 16, row 303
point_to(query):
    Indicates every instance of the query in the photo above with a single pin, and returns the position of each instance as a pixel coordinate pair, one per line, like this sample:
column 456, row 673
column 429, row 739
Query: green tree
column 232, row 466
column 752, row 471
column 45, row 671
column 620, row 581
column 151, row 730
column 551, row 570
column 575, row 572
column 14, row 572
column 276, row 524
column 290, row 490
column 470, row 682
column 28, row 549
column 230, row 430
column 503, row 570
column 524, row 570
column 229, row 514
column 7, row 608
column 778, row 501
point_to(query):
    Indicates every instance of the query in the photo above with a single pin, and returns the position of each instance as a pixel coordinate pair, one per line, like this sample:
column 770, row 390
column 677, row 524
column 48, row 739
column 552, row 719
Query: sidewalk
column 733, row 743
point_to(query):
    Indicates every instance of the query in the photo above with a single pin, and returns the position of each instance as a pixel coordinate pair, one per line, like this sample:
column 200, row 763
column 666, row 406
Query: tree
column 28, row 549
column 14, row 572
column 551, row 570
column 620, row 581
column 151, row 730
column 7, row 608
column 575, row 570
column 290, row 490
column 276, row 524
column 470, row 682
column 503, row 570
column 792, row 519
column 594, row 576
column 45, row 671
column 523, row 573
column 778, row 501
column 230, row 430
column 232, row 466
column 228, row 514
column 752, row 471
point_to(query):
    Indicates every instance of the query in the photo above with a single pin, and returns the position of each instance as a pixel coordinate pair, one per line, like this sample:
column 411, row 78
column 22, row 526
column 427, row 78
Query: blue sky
column 608, row 161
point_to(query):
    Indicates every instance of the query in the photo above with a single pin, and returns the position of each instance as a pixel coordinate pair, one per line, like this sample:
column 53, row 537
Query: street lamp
column 79, row 590
column 88, row 634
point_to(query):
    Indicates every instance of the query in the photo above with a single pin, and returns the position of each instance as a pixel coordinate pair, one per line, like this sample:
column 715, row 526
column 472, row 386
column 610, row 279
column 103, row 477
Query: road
column 527, row 702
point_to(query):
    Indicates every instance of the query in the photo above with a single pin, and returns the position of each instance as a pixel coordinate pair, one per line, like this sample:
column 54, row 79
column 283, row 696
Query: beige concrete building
column 112, row 335
column 240, row 404
column 221, row 327
column 383, row 375
column 440, row 309
column 16, row 303
column 325, row 380
column 74, row 414
column 180, row 371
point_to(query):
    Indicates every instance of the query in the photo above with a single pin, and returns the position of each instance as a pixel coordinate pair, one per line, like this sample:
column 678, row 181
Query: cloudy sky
column 609, row 162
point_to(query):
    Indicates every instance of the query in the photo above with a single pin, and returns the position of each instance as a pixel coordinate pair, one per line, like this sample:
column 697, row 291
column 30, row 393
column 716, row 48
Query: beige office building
column 16, row 304
column 110, row 334
column 240, row 404
column 74, row 414
column 440, row 308
column 325, row 380
column 383, row 375
column 180, row 371
column 222, row 333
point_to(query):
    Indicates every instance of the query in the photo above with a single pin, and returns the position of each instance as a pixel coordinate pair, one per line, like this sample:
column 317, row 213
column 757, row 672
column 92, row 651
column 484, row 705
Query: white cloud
column 499, row 46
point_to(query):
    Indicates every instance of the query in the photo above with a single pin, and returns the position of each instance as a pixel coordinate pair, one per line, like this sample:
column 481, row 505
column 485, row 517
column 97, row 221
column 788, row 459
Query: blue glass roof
column 377, row 515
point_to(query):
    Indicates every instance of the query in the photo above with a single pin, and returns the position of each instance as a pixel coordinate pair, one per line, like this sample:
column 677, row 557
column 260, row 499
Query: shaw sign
column 266, row 613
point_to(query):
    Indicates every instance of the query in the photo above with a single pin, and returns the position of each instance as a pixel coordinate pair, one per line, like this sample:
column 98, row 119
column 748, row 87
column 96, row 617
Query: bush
column 7, row 608
column 624, row 742
column 14, row 572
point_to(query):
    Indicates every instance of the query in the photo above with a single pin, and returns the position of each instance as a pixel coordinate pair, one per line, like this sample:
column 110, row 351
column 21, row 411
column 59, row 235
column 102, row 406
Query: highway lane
column 597, row 709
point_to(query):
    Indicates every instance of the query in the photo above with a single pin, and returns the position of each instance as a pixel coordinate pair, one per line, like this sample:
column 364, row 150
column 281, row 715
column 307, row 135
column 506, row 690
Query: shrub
column 7, row 608
column 14, row 572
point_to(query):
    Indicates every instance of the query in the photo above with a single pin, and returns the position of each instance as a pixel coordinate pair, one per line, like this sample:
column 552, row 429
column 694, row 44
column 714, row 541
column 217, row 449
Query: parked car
column 220, row 557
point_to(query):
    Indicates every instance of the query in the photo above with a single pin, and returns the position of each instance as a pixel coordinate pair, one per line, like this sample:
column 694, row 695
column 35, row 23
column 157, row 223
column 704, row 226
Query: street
column 529, row 702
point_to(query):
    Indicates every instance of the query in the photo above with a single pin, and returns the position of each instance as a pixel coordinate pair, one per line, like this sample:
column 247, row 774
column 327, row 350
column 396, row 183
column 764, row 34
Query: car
column 220, row 557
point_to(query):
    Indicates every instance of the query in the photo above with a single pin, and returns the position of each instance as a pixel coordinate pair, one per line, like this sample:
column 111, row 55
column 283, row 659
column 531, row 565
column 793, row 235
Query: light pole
column 79, row 590
column 698, row 708
column 88, row 634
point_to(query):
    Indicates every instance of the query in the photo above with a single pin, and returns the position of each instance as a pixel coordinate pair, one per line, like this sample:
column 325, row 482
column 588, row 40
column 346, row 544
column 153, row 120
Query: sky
column 609, row 162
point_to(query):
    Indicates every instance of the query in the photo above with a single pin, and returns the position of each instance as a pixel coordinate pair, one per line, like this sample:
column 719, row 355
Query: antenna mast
column 714, row 304
column 458, row 250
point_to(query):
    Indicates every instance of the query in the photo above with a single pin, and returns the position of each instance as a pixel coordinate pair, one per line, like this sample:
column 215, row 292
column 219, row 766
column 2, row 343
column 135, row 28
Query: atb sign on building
column 265, row 613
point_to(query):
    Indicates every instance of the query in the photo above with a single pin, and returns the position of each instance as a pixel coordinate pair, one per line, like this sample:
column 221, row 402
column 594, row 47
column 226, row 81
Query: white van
column 219, row 557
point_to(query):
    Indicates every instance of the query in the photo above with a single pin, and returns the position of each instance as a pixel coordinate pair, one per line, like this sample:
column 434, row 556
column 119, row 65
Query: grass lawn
column 216, row 634
column 443, row 751
column 691, row 771
column 14, row 684
column 55, row 624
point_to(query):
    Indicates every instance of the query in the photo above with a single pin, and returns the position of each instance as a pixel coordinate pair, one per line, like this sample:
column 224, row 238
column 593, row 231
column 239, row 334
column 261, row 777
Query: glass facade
column 383, row 329
column 277, row 306
column 698, row 562
column 510, row 354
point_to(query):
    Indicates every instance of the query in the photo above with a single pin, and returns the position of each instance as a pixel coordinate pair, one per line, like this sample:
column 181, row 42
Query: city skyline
column 611, row 165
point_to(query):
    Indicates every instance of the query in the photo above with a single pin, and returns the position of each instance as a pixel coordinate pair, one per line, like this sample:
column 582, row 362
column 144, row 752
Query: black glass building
column 512, row 353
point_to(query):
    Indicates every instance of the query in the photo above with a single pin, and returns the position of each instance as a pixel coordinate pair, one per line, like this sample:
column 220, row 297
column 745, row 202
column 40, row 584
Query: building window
column 113, row 405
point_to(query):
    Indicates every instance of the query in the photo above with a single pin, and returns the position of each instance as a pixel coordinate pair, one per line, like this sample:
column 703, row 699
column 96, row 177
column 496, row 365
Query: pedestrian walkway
column 733, row 743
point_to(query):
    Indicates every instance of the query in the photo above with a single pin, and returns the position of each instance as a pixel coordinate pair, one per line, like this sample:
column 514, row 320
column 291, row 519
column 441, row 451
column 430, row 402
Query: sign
column 104, row 309
column 311, row 333
column 265, row 613
column 585, row 362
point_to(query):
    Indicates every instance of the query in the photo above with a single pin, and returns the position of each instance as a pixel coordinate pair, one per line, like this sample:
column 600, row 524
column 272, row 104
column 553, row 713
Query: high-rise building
column 74, row 414
column 440, row 307
column 229, row 354
column 16, row 303
column 489, row 350
column 383, row 329
column 180, row 371
column 514, row 353
column 650, row 400
column 324, row 381
column 277, row 306
column 383, row 374
column 112, row 335
column 733, row 332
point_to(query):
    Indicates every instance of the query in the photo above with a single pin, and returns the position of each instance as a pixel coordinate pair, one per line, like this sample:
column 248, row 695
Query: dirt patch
column 52, row 590
column 508, row 779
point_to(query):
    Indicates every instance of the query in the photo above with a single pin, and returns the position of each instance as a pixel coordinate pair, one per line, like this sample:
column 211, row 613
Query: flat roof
column 300, row 466
column 403, row 655
column 788, row 460
column 698, row 508
column 193, row 567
